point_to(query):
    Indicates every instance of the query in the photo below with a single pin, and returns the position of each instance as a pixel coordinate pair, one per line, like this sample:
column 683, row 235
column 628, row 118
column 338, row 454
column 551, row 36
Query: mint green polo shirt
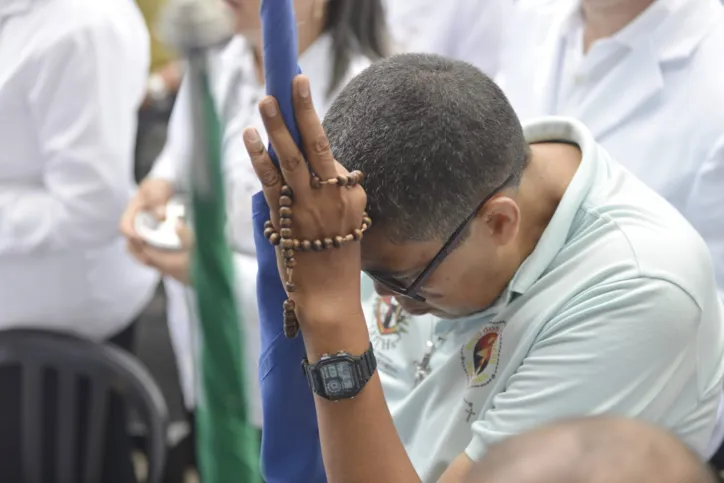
column 615, row 311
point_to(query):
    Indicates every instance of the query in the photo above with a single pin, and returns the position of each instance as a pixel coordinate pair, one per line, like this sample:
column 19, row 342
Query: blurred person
column 645, row 76
column 460, row 29
column 166, row 70
column 604, row 449
column 337, row 39
column 72, row 76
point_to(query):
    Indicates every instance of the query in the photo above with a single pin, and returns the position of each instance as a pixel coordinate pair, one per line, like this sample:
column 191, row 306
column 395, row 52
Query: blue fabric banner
column 290, row 451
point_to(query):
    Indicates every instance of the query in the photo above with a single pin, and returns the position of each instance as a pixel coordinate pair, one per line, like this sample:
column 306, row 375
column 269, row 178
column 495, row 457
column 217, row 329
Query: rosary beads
column 290, row 246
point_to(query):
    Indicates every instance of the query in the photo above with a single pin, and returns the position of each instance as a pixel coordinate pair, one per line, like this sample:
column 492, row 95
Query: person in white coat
column 337, row 39
column 646, row 77
column 72, row 76
column 460, row 29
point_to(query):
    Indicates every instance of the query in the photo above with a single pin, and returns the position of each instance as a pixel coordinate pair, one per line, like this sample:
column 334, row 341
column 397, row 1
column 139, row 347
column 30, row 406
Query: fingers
column 268, row 174
column 152, row 195
column 135, row 248
column 316, row 145
column 128, row 219
column 294, row 168
column 186, row 235
column 174, row 264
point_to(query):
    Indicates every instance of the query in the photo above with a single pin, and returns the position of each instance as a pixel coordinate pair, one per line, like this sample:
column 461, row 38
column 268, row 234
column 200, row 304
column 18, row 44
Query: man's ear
column 501, row 216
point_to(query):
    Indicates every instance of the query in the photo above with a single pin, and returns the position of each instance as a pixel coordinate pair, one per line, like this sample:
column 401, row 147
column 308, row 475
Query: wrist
column 329, row 332
column 324, row 310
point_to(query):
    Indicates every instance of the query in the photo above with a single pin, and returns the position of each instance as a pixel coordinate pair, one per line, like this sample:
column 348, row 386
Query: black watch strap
column 368, row 364
column 363, row 367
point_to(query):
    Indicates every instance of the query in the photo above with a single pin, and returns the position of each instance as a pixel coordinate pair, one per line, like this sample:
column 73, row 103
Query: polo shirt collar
column 552, row 129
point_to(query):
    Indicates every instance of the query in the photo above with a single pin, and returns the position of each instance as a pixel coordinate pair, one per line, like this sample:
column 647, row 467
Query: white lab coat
column 72, row 76
column 658, row 106
column 653, row 96
column 469, row 30
column 237, row 92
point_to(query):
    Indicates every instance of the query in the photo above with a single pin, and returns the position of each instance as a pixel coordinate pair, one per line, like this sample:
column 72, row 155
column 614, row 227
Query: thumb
column 155, row 194
column 186, row 235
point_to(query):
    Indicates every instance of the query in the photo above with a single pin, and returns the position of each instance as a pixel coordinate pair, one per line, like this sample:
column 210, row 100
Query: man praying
column 523, row 275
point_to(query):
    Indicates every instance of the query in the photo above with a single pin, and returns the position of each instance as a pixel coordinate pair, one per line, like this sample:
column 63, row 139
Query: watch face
column 339, row 379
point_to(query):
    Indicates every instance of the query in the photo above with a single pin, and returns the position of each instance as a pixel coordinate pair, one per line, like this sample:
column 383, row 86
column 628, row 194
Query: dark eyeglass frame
column 447, row 248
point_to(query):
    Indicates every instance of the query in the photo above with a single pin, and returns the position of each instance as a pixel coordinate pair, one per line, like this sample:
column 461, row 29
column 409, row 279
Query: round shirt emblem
column 480, row 355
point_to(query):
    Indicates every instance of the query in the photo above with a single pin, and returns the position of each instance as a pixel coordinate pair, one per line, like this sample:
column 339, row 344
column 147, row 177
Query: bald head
column 594, row 450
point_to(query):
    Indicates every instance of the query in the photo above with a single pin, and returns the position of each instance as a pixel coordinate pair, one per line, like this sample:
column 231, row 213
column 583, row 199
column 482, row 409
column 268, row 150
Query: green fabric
column 228, row 447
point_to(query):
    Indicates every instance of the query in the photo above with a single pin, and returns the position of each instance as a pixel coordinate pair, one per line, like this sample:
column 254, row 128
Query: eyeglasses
column 452, row 242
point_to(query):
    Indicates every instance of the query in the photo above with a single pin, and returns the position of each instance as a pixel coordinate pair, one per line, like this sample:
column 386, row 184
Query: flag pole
column 227, row 445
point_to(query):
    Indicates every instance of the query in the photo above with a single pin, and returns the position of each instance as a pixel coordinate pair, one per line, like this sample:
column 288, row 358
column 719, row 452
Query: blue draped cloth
column 290, row 451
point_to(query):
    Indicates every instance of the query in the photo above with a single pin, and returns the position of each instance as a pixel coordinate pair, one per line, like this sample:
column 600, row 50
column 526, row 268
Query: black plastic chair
column 108, row 370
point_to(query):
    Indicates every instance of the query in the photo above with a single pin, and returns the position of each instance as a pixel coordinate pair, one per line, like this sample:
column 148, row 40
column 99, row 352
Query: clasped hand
column 329, row 278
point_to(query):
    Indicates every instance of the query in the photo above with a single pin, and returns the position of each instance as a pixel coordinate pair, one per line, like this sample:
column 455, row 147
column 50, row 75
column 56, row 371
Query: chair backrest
column 108, row 370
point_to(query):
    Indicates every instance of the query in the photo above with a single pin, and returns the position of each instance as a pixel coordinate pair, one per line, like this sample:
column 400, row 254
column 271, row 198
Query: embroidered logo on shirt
column 391, row 323
column 480, row 355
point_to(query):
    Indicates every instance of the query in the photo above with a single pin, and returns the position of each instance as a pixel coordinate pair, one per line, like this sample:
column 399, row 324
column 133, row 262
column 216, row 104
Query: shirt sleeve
column 83, row 92
column 705, row 208
column 627, row 348
column 241, row 185
column 175, row 156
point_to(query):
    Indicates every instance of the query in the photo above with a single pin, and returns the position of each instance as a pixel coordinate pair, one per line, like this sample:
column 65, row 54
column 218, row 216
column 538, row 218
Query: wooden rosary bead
column 291, row 331
column 268, row 224
column 291, row 325
column 291, row 245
